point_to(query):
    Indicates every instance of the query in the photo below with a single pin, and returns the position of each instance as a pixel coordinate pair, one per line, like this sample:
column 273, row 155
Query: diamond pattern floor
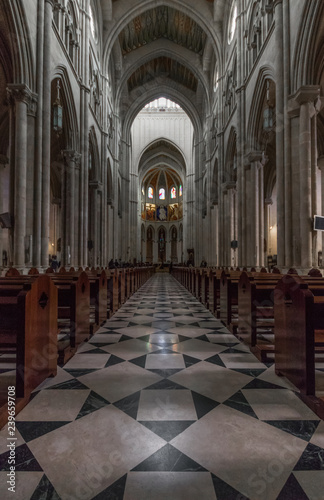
column 164, row 403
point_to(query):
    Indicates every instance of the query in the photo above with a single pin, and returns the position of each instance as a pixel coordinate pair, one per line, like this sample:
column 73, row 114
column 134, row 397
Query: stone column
column 240, row 131
column 225, row 228
column 305, row 98
column 267, row 203
column 59, row 13
column 321, row 167
column 71, row 160
column 243, row 216
column 256, row 209
column 287, row 136
column 20, row 96
column 104, row 253
column 280, row 145
column 37, row 232
column 305, row 185
column 84, row 138
column 261, row 210
column 95, row 192
column 315, row 236
column 46, row 144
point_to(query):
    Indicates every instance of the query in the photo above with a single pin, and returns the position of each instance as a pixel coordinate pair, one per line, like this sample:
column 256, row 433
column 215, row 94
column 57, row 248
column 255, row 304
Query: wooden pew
column 98, row 297
column 299, row 330
column 228, row 298
column 110, row 283
column 73, row 310
column 74, row 306
column 256, row 310
column 115, row 292
column 255, row 305
column 28, row 326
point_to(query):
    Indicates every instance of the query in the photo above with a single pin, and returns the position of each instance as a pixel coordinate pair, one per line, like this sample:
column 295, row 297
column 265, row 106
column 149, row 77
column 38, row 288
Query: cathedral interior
column 162, row 158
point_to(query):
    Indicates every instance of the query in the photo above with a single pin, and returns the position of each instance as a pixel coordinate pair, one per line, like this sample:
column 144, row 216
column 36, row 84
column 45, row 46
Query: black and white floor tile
column 163, row 403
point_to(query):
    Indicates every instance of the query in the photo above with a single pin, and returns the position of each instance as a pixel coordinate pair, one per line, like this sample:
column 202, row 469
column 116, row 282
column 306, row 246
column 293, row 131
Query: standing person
column 54, row 263
column 203, row 263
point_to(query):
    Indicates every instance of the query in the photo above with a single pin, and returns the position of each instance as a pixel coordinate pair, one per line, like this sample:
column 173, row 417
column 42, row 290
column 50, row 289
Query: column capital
column 307, row 94
column 227, row 186
column 268, row 201
column 254, row 156
column 276, row 3
column 22, row 93
column 96, row 185
column 58, row 6
column 71, row 156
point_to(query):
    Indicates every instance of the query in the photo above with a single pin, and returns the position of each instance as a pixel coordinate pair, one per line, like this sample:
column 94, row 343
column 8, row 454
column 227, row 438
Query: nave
column 164, row 403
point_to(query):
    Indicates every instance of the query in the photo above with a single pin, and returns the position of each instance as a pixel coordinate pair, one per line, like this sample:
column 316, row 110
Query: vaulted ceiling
column 163, row 66
column 161, row 48
column 162, row 152
column 163, row 176
column 162, row 22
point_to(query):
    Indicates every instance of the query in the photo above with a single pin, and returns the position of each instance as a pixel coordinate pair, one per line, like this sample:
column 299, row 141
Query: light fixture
column 58, row 112
column 271, row 228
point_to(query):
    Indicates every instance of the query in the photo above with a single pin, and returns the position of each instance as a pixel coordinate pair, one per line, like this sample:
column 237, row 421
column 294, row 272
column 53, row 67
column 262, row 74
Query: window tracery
column 93, row 24
column 232, row 23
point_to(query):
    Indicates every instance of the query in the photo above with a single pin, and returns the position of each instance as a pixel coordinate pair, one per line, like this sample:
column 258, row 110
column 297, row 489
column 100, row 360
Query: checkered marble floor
column 163, row 403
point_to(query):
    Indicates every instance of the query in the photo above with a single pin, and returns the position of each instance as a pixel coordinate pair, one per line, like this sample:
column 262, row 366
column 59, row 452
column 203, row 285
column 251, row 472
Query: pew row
column 28, row 330
column 299, row 330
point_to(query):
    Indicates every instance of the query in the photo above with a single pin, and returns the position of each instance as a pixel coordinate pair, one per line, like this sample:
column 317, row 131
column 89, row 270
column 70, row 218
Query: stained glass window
column 173, row 193
column 162, row 194
column 180, row 190
column 150, row 192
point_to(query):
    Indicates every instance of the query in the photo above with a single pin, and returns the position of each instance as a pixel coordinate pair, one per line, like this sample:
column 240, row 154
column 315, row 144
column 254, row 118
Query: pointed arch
column 303, row 61
column 69, row 110
column 128, row 12
column 214, row 184
column 230, row 158
column 265, row 73
column 173, row 232
column 19, row 42
column 94, row 155
column 110, row 187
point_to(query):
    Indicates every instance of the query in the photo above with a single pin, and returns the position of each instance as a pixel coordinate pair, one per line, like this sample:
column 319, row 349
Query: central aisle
column 165, row 404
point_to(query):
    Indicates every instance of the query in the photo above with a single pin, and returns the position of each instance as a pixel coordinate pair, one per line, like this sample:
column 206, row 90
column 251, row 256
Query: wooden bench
column 28, row 329
column 255, row 306
column 256, row 311
column 73, row 312
column 228, row 299
column 98, row 297
column 299, row 330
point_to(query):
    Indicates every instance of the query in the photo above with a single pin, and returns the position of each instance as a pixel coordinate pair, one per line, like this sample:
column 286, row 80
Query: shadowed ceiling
column 164, row 67
column 162, row 22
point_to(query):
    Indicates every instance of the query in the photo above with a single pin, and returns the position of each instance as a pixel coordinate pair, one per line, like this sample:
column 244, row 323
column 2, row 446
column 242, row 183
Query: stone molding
column 69, row 156
column 22, row 93
column 307, row 93
column 253, row 156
